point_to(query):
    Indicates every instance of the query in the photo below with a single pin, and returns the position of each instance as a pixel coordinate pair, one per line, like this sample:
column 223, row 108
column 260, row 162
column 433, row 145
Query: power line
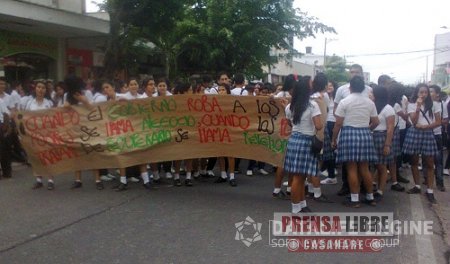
column 443, row 49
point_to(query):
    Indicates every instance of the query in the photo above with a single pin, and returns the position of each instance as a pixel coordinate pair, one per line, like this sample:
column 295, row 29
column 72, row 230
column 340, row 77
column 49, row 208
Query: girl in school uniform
column 224, row 89
column 383, row 137
column 419, row 140
column 305, row 117
column 40, row 102
column 356, row 115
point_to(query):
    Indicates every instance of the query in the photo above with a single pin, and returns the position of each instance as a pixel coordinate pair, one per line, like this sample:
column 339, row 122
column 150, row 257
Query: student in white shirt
column 133, row 88
column 39, row 102
column 305, row 117
column 356, row 115
column 383, row 136
column 329, row 157
column 239, row 85
column 425, row 117
column 149, row 88
column 99, row 96
column 435, row 91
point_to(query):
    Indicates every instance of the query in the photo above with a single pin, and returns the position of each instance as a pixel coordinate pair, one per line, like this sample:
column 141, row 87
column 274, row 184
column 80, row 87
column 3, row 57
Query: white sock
column 369, row 196
column 296, row 208
column 276, row 190
column 188, row 175
column 354, row 197
column 317, row 192
column 176, row 176
column 144, row 176
column 310, row 188
column 123, row 179
column 38, row 179
column 50, row 180
column 380, row 192
column 156, row 175
column 303, row 203
column 394, row 183
column 288, row 189
column 429, row 190
column 223, row 174
column 417, row 186
column 231, row 175
column 202, row 172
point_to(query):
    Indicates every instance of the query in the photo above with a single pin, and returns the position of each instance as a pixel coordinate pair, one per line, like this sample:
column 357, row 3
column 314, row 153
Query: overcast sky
column 382, row 26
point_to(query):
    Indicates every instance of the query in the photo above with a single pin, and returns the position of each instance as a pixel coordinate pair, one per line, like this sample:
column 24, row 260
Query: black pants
column 211, row 163
column 5, row 152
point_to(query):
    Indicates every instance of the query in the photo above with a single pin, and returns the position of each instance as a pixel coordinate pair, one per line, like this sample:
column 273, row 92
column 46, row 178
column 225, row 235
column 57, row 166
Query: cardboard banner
column 125, row 133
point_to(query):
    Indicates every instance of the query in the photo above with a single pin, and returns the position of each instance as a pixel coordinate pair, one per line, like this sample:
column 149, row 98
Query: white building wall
column 75, row 6
column 442, row 49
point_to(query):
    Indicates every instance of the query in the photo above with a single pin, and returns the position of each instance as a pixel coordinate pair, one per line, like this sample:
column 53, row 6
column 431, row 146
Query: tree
column 214, row 35
column 336, row 69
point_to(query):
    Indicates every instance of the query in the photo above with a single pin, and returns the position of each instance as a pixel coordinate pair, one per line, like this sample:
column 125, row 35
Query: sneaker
column 99, row 185
column 188, row 182
column 133, row 179
column 397, row 187
column 50, row 186
column 431, row 199
column 233, row 183
column 402, row 179
column 156, row 181
column 210, row 174
column 76, row 185
column 305, row 210
column 220, row 180
column 322, row 199
column 249, row 173
column 286, row 183
column 440, row 187
column 121, row 187
column 351, row 204
column 105, row 178
column 446, row 172
column 377, row 197
column 169, row 175
column 281, row 195
column 324, row 173
column 413, row 190
column 370, row 202
column 263, row 171
column 329, row 181
column 37, row 185
column 177, row 182
column 196, row 175
column 111, row 176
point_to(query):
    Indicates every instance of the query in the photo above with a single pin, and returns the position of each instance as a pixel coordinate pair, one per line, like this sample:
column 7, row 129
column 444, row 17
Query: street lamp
column 325, row 51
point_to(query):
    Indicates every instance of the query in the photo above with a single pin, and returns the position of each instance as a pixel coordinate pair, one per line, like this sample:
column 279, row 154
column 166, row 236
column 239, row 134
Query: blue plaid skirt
column 418, row 141
column 396, row 148
column 356, row 144
column 299, row 158
column 379, row 139
column 328, row 151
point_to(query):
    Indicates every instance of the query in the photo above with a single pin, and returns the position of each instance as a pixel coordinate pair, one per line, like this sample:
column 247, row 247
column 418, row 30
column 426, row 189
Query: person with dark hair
column 329, row 157
column 357, row 115
column 133, row 89
column 288, row 86
column 341, row 93
column 305, row 117
column 435, row 91
column 384, row 80
column 239, row 85
column 383, row 136
column 149, row 88
column 16, row 87
column 99, row 95
column 60, row 91
column 419, row 140
column 206, row 83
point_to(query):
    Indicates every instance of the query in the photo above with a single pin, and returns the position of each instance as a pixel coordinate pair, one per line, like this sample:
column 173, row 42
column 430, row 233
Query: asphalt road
column 177, row 224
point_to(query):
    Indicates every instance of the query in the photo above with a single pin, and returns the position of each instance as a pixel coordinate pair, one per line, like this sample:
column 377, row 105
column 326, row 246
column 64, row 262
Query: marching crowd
column 369, row 132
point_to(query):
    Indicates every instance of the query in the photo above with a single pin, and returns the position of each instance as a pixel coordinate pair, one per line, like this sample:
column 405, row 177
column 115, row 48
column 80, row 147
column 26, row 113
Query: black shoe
column 351, row 204
column 397, row 187
column 76, row 185
column 402, row 179
column 99, row 185
column 370, row 202
column 158, row 181
column 309, row 195
column 343, row 192
column 322, row 199
column 37, row 185
column 233, row 183
column 220, row 180
column 288, row 193
column 281, row 195
column 147, row 185
column 121, row 187
column 188, row 182
column 413, row 190
column 50, row 186
column 431, row 198
column 177, row 182
column 441, row 188
column 305, row 210
column 377, row 197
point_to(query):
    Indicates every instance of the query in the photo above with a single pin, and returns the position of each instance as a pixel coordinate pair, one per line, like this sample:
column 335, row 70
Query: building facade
column 441, row 65
column 47, row 39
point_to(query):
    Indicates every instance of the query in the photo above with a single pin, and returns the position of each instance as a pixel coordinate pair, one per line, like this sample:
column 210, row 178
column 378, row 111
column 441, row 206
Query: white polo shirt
column 356, row 109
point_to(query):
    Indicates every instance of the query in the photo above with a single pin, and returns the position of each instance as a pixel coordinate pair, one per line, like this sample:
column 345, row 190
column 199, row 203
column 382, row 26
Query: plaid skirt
column 356, row 144
column 396, row 148
column 418, row 141
column 328, row 151
column 299, row 159
column 379, row 139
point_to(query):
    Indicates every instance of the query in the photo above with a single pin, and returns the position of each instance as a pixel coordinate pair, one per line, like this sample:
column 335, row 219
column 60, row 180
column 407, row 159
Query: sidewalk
column 442, row 210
